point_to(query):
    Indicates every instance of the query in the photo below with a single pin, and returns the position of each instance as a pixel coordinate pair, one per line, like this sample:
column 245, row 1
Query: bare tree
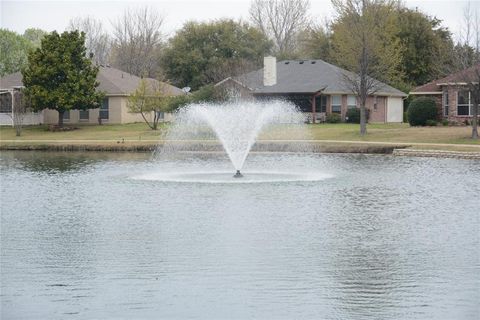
column 362, row 46
column 281, row 21
column 467, row 58
column 137, row 42
column 97, row 41
column 471, row 77
column 19, row 110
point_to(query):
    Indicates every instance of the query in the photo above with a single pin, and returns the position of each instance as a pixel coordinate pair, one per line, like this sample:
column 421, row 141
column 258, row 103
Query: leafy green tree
column 204, row 94
column 150, row 99
column 60, row 76
column 13, row 52
column 315, row 43
column 34, row 36
column 364, row 42
column 201, row 53
column 425, row 46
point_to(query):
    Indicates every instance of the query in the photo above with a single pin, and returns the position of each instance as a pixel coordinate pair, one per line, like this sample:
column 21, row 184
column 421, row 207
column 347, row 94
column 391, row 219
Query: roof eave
column 454, row 83
column 425, row 92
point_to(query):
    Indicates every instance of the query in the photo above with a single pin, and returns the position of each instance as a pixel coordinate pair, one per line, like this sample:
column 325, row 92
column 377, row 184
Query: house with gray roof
column 116, row 84
column 318, row 88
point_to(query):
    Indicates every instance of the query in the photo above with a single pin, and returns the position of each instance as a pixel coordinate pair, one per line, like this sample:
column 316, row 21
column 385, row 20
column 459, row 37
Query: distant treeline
column 202, row 53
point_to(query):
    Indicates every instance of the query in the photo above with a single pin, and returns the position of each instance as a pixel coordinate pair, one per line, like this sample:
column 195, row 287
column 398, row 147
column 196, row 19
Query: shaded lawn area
column 396, row 133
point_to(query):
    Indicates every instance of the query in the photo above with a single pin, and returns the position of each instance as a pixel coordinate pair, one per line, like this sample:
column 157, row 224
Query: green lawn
column 138, row 132
column 394, row 133
column 133, row 131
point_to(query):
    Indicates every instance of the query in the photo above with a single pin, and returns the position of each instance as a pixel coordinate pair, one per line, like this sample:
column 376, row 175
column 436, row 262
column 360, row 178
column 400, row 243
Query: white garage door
column 395, row 109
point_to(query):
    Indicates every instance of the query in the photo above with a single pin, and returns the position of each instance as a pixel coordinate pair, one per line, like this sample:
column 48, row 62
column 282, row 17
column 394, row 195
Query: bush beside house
column 422, row 111
column 334, row 118
column 353, row 115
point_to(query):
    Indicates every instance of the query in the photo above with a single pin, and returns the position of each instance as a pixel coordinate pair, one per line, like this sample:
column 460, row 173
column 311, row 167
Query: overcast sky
column 55, row 15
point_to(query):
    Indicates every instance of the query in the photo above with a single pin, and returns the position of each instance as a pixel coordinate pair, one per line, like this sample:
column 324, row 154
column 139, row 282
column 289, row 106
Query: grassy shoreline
column 324, row 137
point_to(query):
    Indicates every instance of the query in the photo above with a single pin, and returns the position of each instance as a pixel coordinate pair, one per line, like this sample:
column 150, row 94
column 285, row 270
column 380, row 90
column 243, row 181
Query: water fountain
column 236, row 125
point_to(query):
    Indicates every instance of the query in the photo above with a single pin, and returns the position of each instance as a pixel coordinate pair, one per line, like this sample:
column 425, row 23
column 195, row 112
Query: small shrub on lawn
column 421, row 110
column 334, row 118
column 445, row 122
column 353, row 115
column 431, row 123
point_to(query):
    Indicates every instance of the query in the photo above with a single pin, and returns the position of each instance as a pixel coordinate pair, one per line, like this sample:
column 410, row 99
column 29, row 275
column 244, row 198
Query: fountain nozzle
column 238, row 174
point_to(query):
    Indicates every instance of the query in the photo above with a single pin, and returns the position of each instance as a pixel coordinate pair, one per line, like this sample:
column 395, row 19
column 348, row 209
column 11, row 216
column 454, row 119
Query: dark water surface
column 101, row 236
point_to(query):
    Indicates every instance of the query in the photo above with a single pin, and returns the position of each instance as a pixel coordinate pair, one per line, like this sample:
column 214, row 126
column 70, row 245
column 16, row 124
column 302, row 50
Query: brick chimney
column 269, row 71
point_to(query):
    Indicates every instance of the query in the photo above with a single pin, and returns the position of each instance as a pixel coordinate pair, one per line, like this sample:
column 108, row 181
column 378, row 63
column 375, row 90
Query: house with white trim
column 117, row 85
column 318, row 88
column 451, row 94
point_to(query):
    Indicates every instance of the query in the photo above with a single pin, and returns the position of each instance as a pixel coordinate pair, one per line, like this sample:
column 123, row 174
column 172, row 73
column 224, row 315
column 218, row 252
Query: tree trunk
column 363, row 120
column 155, row 119
column 475, row 122
column 60, row 118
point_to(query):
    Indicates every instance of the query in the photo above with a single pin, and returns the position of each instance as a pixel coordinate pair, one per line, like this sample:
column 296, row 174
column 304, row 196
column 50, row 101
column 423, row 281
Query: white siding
column 395, row 109
column 29, row 119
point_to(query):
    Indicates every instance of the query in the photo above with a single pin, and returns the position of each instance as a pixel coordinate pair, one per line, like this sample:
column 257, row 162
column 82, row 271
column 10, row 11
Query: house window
column 375, row 103
column 321, row 104
column 303, row 102
column 84, row 115
column 463, row 103
column 336, row 104
column 103, row 114
column 66, row 115
column 5, row 102
column 160, row 115
column 445, row 103
column 351, row 102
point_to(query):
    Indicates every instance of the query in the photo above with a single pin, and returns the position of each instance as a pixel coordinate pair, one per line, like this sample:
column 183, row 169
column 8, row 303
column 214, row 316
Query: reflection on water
column 58, row 162
column 383, row 238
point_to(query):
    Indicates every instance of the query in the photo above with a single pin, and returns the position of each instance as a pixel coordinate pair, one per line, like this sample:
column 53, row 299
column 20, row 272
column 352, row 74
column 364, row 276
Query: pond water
column 309, row 236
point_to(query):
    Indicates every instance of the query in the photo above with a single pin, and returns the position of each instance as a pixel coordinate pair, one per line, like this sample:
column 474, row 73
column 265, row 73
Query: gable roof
column 117, row 82
column 10, row 81
column 428, row 88
column 113, row 82
column 306, row 76
column 451, row 79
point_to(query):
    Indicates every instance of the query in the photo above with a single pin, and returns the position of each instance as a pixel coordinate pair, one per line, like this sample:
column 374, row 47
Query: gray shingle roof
column 11, row 80
column 306, row 76
column 118, row 82
column 112, row 82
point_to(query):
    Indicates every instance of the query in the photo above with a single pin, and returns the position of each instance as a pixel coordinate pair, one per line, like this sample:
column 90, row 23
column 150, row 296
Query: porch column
column 314, row 115
column 314, row 107
column 13, row 106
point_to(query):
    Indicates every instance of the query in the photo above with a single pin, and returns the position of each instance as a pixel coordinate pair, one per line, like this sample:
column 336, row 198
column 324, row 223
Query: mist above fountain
column 236, row 125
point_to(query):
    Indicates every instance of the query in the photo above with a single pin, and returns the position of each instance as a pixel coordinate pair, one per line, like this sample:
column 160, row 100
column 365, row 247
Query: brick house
column 317, row 88
column 451, row 94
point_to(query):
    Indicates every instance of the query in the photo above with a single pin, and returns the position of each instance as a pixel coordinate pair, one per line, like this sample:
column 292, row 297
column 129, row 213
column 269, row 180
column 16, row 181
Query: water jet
column 236, row 125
